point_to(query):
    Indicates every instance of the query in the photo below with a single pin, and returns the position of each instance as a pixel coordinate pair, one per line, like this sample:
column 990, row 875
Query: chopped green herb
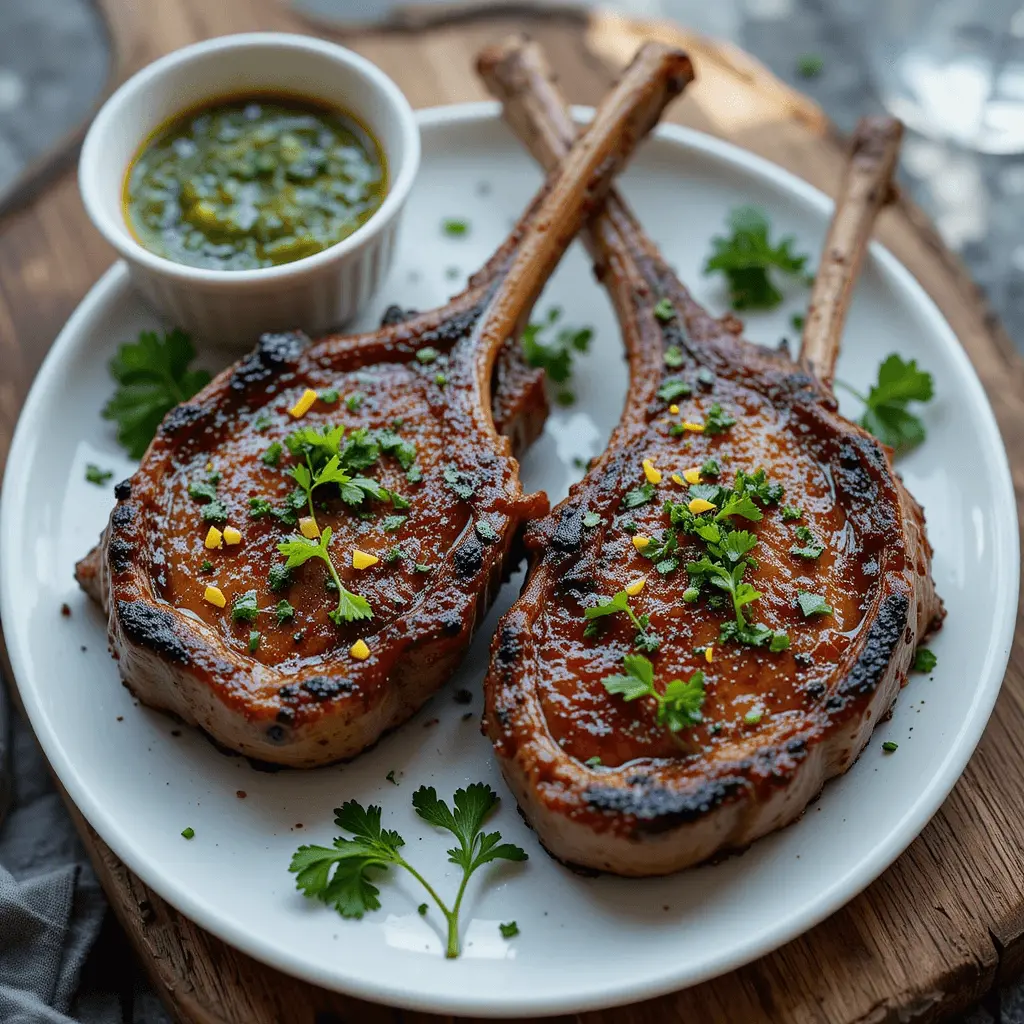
column 554, row 354
column 509, row 931
column 673, row 357
column 440, row 379
column 391, row 777
column 810, row 547
column 710, row 468
column 639, row 496
column 674, row 388
column 215, row 512
column 705, row 378
column 593, row 762
column 454, row 227
column 590, row 519
column 889, row 747
column 678, row 707
column 340, row 875
column 152, row 376
column 645, row 638
column 414, row 475
column 924, row 660
column 355, row 401
column 421, row 567
column 753, row 716
column 798, row 320
column 188, row 833
column 393, row 555
column 284, row 612
column 329, row 396
column 279, row 576
column 261, row 423
column 272, row 456
column 245, row 607
column 809, row 65
column 422, row 909
column 298, row 550
column 97, row 476
column 427, row 355
column 717, row 420
column 391, row 523
column 791, row 512
column 461, row 483
column 813, row 604
column 207, row 566
column 886, row 414
column 485, row 531
column 254, row 641
column 746, row 257
column 664, row 310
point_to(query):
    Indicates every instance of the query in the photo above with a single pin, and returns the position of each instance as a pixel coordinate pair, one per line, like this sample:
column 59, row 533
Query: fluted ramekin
column 233, row 307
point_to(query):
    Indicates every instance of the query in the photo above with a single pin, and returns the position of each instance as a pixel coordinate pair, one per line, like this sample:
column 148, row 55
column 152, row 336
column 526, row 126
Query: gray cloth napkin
column 55, row 966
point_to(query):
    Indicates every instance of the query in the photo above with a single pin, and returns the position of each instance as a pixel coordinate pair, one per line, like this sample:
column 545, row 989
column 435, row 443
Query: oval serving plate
column 140, row 780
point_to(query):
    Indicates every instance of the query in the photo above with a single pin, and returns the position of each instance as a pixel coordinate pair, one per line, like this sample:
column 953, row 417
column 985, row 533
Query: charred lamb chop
column 720, row 612
column 304, row 553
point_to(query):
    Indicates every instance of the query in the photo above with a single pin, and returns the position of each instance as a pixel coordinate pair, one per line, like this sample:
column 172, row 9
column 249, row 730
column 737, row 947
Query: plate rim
column 393, row 993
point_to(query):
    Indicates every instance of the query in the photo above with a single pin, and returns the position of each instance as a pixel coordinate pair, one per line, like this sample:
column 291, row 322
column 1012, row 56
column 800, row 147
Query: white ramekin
column 234, row 307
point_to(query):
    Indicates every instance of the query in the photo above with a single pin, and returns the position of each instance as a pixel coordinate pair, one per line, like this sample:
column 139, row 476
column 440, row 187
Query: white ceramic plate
column 585, row 942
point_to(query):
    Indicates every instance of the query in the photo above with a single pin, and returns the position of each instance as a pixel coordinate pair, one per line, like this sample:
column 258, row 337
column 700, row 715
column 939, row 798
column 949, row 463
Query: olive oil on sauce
column 245, row 183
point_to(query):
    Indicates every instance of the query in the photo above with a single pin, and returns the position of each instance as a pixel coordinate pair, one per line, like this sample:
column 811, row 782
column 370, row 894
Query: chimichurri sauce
column 253, row 183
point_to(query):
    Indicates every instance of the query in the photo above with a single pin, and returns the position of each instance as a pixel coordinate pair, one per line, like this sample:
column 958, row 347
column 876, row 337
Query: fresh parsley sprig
column 886, row 413
column 646, row 638
column 340, row 875
column 677, row 708
column 153, row 376
column 553, row 350
column 299, row 550
column 747, row 258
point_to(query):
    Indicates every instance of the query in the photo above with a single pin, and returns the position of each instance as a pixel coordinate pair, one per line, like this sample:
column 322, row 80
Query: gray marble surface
column 53, row 63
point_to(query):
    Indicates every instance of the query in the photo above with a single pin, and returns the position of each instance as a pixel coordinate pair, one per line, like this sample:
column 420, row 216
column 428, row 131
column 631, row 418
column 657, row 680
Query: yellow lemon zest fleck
column 214, row 538
column 232, row 536
column 677, row 479
column 674, row 409
column 635, row 587
column 308, row 528
column 362, row 559
column 697, row 428
column 699, row 505
column 304, row 404
column 709, row 653
column 359, row 650
column 653, row 475
column 640, row 542
column 215, row 596
column 692, row 476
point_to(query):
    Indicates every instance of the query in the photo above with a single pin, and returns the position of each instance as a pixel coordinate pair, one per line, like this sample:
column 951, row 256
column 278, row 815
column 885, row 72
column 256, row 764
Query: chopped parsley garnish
column 390, row 777
column 674, row 388
column 664, row 310
column 152, row 376
column 455, row 228
column 810, row 65
column 393, row 555
column 509, row 930
column 813, row 604
column 272, row 456
column 215, row 512
column 261, row 423
column 254, row 641
column 753, row 716
column 591, row 519
column 809, row 547
column 354, row 402
column 673, row 357
column 705, row 378
column 341, row 875
column 427, row 355
column 678, row 707
column 645, row 639
column 279, row 576
column 790, row 513
column 889, row 747
column 485, row 531
column 97, row 476
column 886, row 414
column 298, row 550
column 391, row 523
column 798, row 320
column 924, row 660
column 554, row 351
column 284, row 612
column 245, row 607
column 188, row 833
column 422, row 909
column 207, row 566
column 461, row 483
column 329, row 396
column 440, row 379
column 710, row 468
column 202, row 490
column 747, row 257
column 639, row 496
column 593, row 762
column 717, row 421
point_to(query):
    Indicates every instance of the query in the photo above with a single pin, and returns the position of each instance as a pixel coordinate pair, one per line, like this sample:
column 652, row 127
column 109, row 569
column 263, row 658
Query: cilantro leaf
column 886, row 414
column 809, row 547
column 639, row 496
column 677, row 708
column 153, row 376
column 245, row 607
column 746, row 257
column 813, row 604
column 97, row 476
column 298, row 550
column 674, row 388
column 924, row 660
column 461, row 483
column 554, row 355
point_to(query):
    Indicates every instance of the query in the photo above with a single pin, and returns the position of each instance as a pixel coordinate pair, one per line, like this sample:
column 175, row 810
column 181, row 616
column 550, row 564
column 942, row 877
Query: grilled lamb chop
column 410, row 515
column 621, row 757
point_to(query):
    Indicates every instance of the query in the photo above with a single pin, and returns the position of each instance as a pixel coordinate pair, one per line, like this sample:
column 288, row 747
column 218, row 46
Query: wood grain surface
column 945, row 923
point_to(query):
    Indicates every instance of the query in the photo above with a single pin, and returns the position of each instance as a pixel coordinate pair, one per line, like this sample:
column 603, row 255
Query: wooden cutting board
column 940, row 928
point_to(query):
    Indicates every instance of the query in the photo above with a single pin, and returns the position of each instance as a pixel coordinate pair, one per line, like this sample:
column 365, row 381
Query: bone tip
column 678, row 68
column 876, row 136
column 497, row 53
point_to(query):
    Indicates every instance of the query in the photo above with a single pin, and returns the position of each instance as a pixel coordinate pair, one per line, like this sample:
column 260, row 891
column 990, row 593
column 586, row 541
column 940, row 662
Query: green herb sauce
column 249, row 183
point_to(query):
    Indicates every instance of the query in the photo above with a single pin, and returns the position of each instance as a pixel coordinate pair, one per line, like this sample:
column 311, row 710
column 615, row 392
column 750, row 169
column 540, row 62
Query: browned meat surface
column 431, row 498
column 790, row 697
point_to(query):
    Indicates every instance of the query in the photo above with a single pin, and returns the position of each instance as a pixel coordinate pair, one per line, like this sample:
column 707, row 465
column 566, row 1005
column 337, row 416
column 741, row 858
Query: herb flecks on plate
column 552, row 348
column 342, row 875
